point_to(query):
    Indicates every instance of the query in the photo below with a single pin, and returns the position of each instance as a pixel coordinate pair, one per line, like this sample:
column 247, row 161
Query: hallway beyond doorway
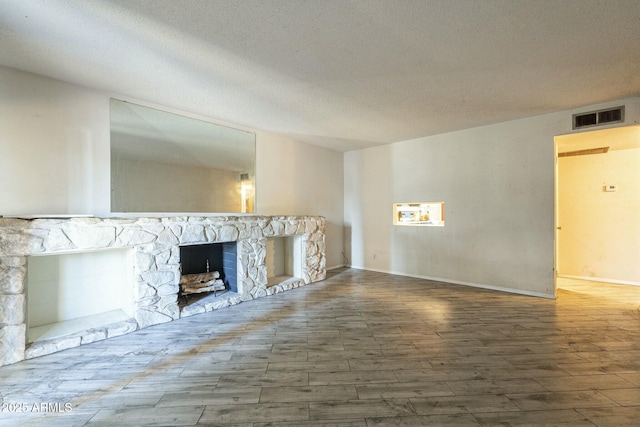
column 592, row 291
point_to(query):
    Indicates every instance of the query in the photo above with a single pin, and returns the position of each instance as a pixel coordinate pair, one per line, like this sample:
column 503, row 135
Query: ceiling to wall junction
column 336, row 73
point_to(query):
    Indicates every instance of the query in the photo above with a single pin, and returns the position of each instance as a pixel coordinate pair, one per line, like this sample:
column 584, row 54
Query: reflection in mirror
column 164, row 162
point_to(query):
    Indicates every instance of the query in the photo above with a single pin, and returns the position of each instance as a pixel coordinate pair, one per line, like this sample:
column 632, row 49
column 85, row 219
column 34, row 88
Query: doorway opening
column 597, row 207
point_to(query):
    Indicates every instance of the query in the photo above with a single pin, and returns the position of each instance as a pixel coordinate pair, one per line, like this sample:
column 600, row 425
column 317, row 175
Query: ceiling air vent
column 598, row 118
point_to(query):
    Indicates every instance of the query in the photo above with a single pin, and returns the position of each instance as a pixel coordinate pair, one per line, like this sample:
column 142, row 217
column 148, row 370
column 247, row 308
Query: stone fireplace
column 155, row 244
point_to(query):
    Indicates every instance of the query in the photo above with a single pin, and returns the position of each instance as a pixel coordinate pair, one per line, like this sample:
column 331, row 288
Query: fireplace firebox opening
column 208, row 268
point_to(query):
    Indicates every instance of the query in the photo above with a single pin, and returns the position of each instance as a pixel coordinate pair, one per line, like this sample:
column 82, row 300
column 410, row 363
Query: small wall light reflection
column 246, row 193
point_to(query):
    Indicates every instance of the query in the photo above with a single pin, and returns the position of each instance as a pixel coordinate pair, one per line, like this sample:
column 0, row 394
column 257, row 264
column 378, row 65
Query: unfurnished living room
column 319, row 213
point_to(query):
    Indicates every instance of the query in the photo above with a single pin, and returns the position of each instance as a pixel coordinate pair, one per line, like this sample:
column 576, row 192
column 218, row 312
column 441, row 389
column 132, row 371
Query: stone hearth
column 155, row 243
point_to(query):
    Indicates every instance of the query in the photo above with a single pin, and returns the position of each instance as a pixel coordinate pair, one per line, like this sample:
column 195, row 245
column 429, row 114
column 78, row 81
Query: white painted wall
column 600, row 236
column 497, row 183
column 55, row 158
column 302, row 179
column 54, row 147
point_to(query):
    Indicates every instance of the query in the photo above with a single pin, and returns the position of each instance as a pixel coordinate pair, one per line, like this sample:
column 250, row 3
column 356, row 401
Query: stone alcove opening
column 69, row 294
column 284, row 257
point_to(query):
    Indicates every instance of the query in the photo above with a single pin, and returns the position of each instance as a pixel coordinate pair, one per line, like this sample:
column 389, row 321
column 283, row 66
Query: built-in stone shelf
column 155, row 243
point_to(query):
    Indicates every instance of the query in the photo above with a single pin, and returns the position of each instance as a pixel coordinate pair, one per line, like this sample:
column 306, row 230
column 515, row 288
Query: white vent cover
column 598, row 118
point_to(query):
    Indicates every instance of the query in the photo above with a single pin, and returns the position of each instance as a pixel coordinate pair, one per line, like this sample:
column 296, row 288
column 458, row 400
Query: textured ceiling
column 340, row 74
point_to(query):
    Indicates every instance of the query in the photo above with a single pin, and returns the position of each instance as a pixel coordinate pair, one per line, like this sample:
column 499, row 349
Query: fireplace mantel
column 154, row 242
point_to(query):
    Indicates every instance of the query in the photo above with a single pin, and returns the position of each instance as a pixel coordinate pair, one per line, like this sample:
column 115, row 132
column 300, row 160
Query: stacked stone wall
column 155, row 243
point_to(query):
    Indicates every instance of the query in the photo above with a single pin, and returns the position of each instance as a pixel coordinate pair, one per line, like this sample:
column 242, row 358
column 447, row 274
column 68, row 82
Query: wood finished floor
column 359, row 349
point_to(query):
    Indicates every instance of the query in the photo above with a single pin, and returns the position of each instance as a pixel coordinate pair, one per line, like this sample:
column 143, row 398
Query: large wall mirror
column 167, row 163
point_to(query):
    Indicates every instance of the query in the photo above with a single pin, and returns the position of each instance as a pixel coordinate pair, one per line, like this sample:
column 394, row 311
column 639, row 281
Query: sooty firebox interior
column 211, row 257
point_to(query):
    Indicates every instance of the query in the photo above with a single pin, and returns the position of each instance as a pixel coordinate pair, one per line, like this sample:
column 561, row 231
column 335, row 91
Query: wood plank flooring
column 358, row 349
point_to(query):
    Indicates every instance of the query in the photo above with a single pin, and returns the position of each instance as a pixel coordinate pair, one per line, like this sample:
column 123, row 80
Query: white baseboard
column 335, row 266
column 471, row 284
column 599, row 279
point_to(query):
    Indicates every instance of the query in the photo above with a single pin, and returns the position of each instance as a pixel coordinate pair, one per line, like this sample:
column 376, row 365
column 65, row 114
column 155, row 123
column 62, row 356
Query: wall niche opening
column 207, row 270
column 283, row 259
column 70, row 293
